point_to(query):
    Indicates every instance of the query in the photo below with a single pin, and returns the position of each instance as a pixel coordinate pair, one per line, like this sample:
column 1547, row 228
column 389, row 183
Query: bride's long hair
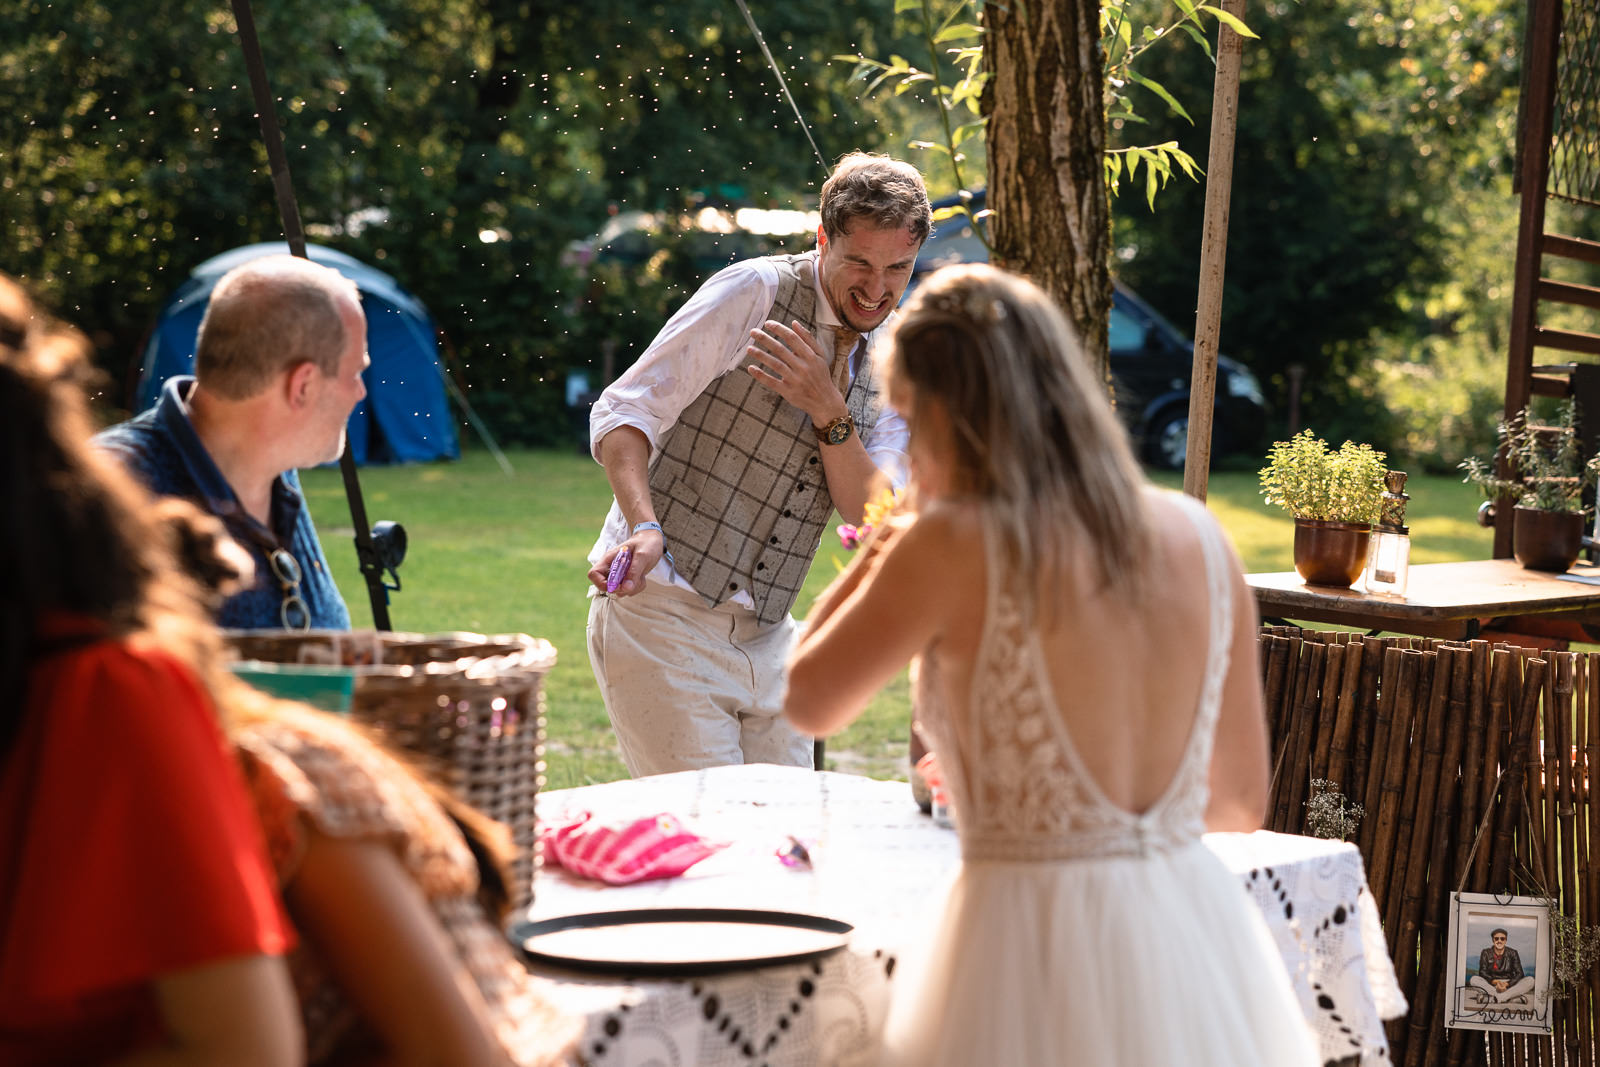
column 1033, row 432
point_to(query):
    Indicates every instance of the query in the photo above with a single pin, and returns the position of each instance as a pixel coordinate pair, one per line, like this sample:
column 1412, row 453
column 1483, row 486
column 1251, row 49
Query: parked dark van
column 1151, row 362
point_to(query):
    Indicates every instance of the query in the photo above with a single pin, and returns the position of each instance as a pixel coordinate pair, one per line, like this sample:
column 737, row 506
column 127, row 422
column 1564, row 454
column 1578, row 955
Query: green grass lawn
column 497, row 553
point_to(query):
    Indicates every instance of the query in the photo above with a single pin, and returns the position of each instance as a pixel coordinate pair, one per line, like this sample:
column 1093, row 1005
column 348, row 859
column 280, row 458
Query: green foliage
column 1129, row 28
column 461, row 145
column 1371, row 212
column 955, row 78
column 1548, row 472
column 1310, row 481
column 954, row 81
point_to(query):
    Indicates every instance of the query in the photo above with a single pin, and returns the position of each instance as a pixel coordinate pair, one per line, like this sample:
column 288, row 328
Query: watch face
column 839, row 431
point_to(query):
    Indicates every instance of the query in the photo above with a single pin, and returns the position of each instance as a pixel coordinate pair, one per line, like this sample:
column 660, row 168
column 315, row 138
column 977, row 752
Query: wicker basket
column 471, row 705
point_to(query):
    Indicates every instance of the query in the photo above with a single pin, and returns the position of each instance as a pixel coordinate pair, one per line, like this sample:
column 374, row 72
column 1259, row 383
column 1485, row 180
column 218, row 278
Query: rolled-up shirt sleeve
column 704, row 340
column 886, row 447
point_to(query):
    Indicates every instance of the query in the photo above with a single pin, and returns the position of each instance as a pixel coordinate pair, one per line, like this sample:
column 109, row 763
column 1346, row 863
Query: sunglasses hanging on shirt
column 293, row 612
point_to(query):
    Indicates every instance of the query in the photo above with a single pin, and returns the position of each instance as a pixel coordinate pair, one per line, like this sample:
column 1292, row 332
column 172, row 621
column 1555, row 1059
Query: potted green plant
column 1334, row 497
column 1548, row 478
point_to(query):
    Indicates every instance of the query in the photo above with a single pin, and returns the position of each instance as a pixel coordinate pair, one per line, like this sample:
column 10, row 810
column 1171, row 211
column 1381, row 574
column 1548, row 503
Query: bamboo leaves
column 954, row 34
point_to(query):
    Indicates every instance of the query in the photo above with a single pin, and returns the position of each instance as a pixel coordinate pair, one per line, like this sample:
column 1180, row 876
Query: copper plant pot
column 1545, row 540
column 1330, row 553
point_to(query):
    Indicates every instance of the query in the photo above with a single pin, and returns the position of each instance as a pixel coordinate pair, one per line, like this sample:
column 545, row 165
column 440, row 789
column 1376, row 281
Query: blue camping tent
column 405, row 417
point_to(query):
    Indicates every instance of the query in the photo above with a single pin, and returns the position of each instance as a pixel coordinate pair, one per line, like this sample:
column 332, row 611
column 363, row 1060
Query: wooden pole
column 1213, row 254
column 1338, row 768
column 1589, row 855
column 1327, row 711
column 1516, row 763
column 1588, row 742
column 1392, row 788
column 1428, row 1042
column 1372, row 792
column 1405, row 964
column 1297, row 765
column 1362, row 754
column 1533, row 173
column 1478, row 773
column 1472, row 761
column 1503, row 699
column 1275, row 667
column 1562, row 837
column 1423, row 803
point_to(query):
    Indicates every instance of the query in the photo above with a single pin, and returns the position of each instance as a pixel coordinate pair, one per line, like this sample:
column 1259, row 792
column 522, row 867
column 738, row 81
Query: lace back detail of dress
column 1021, row 790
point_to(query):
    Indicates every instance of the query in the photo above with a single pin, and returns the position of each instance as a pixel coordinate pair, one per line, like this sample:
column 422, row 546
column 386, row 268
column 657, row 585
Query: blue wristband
column 656, row 526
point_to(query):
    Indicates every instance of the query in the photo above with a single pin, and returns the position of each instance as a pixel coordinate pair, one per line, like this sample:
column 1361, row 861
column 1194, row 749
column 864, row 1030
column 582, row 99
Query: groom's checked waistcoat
column 738, row 484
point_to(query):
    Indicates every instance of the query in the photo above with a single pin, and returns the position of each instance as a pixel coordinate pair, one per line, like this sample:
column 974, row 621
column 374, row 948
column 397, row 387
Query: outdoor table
column 880, row 864
column 1449, row 600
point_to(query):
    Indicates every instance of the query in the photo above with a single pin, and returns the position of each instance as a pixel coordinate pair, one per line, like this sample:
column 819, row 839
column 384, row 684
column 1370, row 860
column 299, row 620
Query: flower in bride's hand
column 876, row 510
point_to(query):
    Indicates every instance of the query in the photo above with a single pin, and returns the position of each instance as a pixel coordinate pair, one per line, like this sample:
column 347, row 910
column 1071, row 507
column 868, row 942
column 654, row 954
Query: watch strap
column 825, row 432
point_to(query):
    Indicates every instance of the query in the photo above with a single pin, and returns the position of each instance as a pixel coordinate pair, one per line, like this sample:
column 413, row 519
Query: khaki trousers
column 687, row 686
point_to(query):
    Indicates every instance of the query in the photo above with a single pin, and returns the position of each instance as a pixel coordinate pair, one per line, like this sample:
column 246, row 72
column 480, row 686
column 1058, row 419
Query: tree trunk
column 1046, row 143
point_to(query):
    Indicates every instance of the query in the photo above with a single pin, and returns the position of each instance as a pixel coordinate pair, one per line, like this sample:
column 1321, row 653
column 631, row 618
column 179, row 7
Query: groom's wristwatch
column 836, row 432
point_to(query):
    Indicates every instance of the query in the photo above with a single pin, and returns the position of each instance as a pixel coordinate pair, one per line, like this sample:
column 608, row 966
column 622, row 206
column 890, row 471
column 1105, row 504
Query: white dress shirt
column 706, row 339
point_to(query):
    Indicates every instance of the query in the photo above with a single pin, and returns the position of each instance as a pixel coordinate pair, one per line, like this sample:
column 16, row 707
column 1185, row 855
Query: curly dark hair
column 76, row 533
column 881, row 191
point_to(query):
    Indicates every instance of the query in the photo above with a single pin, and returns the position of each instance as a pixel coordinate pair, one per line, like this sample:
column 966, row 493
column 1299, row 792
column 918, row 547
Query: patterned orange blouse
column 307, row 768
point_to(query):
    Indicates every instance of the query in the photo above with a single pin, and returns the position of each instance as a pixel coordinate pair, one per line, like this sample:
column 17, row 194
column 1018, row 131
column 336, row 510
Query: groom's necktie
column 844, row 342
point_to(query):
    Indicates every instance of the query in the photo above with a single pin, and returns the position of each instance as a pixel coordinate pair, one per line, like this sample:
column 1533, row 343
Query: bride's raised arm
column 888, row 605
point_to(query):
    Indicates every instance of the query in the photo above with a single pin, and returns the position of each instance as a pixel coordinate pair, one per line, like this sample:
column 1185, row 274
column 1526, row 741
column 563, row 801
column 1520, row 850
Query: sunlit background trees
column 471, row 147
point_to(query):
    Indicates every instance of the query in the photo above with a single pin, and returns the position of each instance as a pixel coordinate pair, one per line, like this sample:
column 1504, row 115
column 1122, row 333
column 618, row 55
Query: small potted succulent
column 1548, row 479
column 1334, row 496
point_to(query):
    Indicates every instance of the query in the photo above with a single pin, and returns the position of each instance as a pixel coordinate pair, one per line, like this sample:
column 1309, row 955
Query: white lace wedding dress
column 1077, row 932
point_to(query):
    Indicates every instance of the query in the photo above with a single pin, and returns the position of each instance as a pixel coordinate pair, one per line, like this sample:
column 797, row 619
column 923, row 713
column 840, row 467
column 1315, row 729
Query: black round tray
column 678, row 941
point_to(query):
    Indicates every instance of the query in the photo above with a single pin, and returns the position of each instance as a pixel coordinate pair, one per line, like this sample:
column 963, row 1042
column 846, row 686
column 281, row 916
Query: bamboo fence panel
column 1372, row 660
column 1561, row 822
column 1391, row 793
column 1294, row 684
column 1327, row 699
column 1502, row 665
column 1307, row 708
column 1274, row 680
column 1405, row 963
column 1372, row 789
column 1337, row 769
column 1428, row 1008
column 1591, row 808
column 1430, row 760
column 1474, row 765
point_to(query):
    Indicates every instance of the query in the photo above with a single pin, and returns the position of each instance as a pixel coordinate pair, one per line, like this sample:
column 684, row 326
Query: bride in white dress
column 1088, row 677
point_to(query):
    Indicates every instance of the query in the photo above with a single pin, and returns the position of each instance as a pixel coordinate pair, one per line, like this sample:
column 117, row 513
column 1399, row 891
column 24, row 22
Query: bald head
column 265, row 317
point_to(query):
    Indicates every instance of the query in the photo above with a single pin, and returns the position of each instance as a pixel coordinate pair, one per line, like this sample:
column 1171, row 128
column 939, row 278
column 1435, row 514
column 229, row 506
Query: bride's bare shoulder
column 943, row 538
column 949, row 523
column 1171, row 515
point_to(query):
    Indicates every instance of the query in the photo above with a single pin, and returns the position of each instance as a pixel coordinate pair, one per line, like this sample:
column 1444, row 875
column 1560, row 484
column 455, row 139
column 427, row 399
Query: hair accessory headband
column 970, row 304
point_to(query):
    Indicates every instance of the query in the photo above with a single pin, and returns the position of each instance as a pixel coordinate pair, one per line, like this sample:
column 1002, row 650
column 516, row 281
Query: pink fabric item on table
column 655, row 846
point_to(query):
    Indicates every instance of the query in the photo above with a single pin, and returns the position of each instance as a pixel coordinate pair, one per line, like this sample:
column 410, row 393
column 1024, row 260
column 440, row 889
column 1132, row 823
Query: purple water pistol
column 619, row 569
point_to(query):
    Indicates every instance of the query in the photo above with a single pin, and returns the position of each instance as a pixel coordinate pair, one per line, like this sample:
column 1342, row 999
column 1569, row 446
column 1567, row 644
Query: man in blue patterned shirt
column 278, row 366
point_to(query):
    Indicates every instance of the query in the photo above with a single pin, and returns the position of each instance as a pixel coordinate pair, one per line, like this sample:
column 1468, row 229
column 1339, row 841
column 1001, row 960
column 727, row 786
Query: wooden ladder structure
column 1559, row 159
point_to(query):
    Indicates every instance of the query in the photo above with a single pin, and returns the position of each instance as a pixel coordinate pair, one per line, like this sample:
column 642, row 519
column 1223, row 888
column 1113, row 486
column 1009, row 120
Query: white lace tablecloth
column 878, row 863
column 1315, row 898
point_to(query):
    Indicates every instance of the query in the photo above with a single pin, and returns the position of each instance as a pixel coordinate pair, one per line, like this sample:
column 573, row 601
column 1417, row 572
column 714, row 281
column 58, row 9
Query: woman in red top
column 138, row 917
